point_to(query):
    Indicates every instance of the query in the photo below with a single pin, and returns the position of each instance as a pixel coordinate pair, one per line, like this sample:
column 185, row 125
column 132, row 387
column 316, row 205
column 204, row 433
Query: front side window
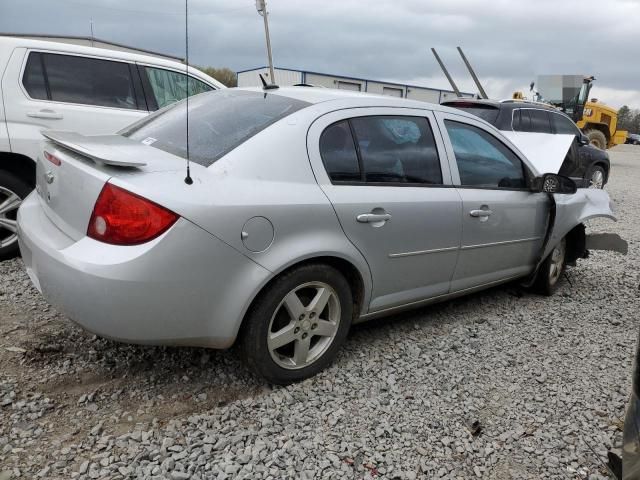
column 563, row 125
column 218, row 122
column 89, row 81
column 169, row 86
column 484, row 161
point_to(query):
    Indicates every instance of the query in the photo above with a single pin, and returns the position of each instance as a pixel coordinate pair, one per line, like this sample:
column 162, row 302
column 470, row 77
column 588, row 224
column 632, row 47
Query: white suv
column 62, row 86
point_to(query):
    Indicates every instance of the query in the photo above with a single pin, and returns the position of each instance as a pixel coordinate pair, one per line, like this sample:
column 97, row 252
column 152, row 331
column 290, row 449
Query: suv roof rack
column 530, row 102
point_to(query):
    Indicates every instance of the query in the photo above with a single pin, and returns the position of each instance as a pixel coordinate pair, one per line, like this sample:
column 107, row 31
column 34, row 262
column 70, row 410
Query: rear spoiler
column 113, row 150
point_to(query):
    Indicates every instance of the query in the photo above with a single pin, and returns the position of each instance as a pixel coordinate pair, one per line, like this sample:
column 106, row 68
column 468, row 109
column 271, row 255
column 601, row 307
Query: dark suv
column 586, row 165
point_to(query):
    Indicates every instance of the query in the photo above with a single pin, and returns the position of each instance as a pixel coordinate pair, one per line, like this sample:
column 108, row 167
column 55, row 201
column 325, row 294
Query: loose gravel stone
column 546, row 378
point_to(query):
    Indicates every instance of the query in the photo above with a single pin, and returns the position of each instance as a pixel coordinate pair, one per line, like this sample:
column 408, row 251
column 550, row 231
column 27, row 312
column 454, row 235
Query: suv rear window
column 219, row 121
column 488, row 113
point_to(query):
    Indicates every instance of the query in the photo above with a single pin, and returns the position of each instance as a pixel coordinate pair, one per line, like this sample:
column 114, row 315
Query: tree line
column 629, row 119
column 224, row 75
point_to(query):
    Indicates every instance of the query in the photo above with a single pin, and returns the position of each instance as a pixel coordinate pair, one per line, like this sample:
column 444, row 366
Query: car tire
column 597, row 139
column 296, row 326
column 12, row 191
column 550, row 272
column 596, row 178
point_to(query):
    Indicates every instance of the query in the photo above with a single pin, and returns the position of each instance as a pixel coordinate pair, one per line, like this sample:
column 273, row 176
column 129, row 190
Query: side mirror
column 583, row 139
column 554, row 183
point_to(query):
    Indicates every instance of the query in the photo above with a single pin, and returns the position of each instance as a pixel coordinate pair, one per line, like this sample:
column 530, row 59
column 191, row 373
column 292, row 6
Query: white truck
column 47, row 84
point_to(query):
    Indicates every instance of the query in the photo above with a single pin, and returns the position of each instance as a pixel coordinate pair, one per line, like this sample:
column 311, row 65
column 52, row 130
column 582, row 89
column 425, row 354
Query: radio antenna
column 188, row 180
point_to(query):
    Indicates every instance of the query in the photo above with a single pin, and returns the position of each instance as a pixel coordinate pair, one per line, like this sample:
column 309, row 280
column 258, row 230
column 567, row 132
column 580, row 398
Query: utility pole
column 261, row 6
column 483, row 94
column 446, row 73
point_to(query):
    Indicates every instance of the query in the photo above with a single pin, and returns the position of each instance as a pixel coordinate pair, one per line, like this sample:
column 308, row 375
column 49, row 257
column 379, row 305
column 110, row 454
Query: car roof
column 106, row 53
column 349, row 98
column 502, row 104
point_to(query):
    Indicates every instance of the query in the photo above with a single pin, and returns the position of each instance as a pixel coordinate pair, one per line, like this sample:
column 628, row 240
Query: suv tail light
column 120, row 217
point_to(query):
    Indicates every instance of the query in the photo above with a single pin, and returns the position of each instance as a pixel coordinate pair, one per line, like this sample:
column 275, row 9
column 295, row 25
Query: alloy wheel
column 304, row 325
column 557, row 262
column 596, row 180
column 9, row 203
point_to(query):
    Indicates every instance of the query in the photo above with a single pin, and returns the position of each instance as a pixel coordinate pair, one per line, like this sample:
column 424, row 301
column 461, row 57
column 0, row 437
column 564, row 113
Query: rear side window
column 487, row 113
column 539, row 121
column 484, row 161
column 386, row 149
column 397, row 149
column 521, row 121
column 339, row 153
column 219, row 121
column 33, row 79
column 169, row 87
column 81, row 80
column 563, row 125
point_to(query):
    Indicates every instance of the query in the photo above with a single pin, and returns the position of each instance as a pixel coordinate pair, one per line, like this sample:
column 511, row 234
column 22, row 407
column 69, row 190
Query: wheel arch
column 357, row 280
column 576, row 244
column 602, row 127
column 19, row 165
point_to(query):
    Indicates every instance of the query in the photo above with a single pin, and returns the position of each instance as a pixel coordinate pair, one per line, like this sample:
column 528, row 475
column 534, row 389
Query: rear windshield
column 488, row 114
column 219, row 121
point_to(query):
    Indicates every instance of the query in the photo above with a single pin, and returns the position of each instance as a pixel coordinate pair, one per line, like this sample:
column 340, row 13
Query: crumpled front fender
column 572, row 210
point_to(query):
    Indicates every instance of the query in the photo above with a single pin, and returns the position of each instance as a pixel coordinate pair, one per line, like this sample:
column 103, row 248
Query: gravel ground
column 547, row 378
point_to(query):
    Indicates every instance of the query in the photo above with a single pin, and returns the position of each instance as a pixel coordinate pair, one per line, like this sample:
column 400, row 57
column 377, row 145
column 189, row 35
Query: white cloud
column 509, row 42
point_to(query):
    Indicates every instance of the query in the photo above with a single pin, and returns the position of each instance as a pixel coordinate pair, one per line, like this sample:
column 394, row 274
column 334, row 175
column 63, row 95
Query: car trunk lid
column 73, row 168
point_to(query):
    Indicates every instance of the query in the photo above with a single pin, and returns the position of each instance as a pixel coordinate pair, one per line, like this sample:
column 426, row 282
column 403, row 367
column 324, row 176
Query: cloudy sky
column 509, row 42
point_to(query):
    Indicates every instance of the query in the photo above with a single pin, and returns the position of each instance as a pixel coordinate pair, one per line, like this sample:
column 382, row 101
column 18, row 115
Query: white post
column 261, row 6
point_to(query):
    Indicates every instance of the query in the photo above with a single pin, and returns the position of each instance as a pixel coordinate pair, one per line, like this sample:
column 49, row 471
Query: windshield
column 219, row 121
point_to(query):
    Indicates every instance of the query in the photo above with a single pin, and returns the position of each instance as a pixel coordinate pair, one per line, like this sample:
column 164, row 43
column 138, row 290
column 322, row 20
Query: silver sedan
column 289, row 214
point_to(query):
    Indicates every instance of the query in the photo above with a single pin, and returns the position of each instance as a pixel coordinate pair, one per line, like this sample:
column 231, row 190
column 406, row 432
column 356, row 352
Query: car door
column 503, row 222
column 62, row 91
column 387, row 176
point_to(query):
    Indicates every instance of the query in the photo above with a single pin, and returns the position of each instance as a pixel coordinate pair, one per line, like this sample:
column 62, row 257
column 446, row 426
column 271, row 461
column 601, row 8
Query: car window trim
column 149, row 96
column 57, row 102
column 328, row 118
column 138, row 88
column 359, row 156
column 441, row 117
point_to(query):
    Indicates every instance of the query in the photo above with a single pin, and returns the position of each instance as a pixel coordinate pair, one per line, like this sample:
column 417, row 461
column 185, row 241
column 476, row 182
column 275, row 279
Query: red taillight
column 52, row 158
column 123, row 218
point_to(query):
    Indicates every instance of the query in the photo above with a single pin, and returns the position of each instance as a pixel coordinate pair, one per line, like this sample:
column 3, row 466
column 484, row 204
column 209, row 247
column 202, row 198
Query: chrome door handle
column 373, row 217
column 46, row 114
column 480, row 213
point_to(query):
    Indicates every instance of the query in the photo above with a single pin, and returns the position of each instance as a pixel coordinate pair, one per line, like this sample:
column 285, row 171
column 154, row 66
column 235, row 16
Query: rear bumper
column 185, row 287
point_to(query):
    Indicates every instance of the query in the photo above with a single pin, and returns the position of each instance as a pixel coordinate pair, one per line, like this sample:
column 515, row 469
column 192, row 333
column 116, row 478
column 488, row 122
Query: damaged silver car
column 303, row 211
